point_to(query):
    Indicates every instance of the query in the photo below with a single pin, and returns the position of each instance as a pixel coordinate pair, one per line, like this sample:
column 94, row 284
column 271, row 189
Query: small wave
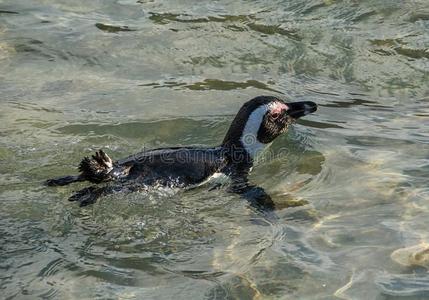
column 404, row 285
column 165, row 18
column 8, row 12
column 112, row 28
column 223, row 85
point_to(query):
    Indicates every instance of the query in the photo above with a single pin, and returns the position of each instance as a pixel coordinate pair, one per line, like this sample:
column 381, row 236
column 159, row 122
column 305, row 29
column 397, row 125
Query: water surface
column 351, row 181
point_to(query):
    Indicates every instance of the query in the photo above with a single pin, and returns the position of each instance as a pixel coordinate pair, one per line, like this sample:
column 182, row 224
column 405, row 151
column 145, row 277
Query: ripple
column 412, row 53
column 386, row 42
column 52, row 268
column 165, row 18
column 113, row 275
column 275, row 29
column 40, row 49
column 364, row 16
column 419, row 15
column 404, row 285
column 320, row 125
column 164, row 84
column 312, row 8
column 216, row 84
column 8, row 12
column 112, row 28
column 153, row 133
column 355, row 102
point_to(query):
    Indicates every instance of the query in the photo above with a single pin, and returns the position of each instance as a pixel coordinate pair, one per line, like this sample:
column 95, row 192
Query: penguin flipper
column 90, row 194
column 87, row 195
column 60, row 181
column 255, row 195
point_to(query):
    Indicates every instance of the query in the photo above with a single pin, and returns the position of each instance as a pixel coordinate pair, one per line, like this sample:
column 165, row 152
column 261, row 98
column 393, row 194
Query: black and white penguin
column 256, row 125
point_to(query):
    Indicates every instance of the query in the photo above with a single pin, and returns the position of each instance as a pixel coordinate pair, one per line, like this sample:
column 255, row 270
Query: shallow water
column 351, row 181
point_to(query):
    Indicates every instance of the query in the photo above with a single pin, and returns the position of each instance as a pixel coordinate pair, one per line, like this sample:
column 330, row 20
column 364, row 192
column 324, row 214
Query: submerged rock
column 417, row 255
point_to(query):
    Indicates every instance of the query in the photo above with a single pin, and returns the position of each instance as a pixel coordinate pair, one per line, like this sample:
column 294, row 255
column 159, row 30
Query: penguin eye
column 275, row 115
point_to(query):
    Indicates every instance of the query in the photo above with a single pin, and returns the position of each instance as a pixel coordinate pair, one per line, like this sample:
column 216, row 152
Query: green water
column 351, row 181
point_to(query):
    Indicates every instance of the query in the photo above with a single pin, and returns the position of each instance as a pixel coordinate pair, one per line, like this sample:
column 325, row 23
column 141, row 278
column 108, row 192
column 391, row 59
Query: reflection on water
column 350, row 181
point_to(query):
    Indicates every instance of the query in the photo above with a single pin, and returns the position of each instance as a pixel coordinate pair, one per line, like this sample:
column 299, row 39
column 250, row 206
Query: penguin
column 258, row 122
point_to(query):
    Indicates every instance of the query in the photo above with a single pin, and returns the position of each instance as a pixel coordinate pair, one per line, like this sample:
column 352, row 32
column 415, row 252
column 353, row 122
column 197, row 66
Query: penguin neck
column 242, row 136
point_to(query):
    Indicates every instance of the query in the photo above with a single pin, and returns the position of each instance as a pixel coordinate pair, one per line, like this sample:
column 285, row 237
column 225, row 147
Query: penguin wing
column 179, row 166
column 255, row 195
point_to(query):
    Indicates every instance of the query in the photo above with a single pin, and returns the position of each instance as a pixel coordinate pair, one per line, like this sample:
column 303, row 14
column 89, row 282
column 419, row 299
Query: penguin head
column 262, row 119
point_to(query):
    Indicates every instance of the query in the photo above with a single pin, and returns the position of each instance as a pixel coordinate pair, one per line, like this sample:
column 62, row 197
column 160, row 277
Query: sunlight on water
column 350, row 182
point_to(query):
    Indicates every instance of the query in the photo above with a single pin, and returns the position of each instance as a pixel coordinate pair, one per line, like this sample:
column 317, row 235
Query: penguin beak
column 299, row 109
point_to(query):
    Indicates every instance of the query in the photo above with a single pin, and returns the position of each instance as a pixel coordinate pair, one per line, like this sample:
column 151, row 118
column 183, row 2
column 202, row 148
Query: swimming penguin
column 257, row 123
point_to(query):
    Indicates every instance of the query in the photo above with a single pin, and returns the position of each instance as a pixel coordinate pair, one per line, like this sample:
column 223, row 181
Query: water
column 351, row 181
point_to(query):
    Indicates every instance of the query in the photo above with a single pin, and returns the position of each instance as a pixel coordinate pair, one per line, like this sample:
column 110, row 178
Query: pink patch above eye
column 278, row 107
